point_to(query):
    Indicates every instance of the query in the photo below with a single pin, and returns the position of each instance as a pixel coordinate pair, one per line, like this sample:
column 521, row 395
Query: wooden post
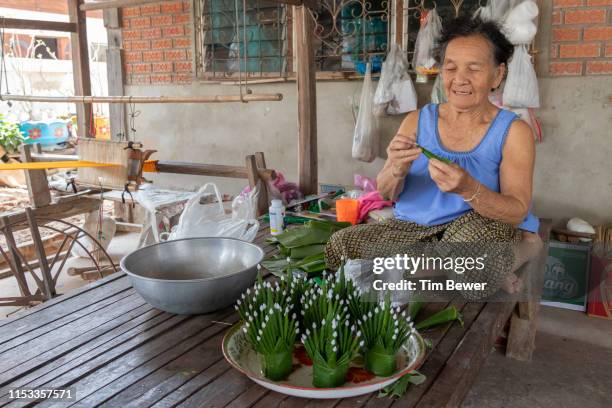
column 15, row 263
column 48, row 287
column 307, row 105
column 36, row 180
column 80, row 66
column 399, row 21
column 254, row 179
column 114, row 72
column 524, row 320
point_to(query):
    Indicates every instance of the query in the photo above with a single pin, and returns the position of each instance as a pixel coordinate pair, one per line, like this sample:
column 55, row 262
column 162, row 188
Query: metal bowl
column 193, row 275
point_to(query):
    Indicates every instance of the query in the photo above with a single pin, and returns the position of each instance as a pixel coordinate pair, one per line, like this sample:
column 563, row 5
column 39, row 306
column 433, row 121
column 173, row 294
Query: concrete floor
column 572, row 367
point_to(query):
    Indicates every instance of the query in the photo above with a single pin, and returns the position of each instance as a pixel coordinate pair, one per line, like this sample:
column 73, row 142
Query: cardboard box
column 566, row 277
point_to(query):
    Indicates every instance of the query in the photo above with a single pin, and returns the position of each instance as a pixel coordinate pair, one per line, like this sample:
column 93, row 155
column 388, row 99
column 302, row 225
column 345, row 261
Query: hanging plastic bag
column 518, row 25
column 365, row 138
column 395, row 93
column 437, row 92
column 210, row 220
column 423, row 61
column 102, row 230
column 521, row 89
column 495, row 10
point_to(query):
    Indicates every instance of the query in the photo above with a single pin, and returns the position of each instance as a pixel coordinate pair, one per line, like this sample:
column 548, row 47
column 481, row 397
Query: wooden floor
column 115, row 350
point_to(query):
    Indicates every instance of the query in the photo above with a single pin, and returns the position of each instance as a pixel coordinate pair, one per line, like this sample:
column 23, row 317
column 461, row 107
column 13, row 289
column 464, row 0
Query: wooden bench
column 109, row 345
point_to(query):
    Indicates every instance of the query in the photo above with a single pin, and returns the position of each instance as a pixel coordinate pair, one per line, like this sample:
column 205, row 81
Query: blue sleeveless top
column 422, row 202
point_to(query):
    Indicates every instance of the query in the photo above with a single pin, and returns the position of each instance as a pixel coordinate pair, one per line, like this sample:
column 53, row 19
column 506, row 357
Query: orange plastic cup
column 347, row 210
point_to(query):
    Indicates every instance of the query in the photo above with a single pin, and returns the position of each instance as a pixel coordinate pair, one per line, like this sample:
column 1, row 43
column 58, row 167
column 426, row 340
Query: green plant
column 10, row 135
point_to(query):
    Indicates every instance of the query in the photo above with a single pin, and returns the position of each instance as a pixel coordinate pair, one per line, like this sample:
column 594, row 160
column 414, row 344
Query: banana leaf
column 297, row 237
column 275, row 265
column 305, row 251
column 328, row 225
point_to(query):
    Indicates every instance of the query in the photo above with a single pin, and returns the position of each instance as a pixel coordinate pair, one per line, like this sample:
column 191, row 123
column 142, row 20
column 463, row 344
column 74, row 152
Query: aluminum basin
column 193, row 275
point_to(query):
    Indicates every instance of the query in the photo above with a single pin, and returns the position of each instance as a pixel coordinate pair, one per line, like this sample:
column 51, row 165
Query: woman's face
column 469, row 71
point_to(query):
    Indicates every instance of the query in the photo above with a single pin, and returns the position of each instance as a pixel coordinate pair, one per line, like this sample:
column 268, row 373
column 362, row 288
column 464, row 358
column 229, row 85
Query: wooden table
column 115, row 350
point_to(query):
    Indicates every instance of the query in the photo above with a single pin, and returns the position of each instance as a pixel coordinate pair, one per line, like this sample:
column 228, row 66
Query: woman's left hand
column 450, row 178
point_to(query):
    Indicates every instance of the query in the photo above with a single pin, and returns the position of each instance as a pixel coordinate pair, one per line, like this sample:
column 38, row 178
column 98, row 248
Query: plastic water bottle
column 277, row 214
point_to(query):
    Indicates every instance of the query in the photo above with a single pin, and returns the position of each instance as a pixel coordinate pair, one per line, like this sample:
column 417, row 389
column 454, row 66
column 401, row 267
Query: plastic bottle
column 277, row 214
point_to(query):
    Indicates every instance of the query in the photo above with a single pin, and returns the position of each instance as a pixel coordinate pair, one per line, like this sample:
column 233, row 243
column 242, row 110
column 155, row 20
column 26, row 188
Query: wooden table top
column 113, row 349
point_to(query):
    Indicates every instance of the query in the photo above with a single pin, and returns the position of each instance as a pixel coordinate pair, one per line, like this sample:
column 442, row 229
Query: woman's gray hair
column 464, row 26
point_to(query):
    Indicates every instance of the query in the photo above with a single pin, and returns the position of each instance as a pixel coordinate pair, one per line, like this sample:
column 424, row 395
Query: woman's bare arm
column 511, row 205
column 515, row 177
column 401, row 152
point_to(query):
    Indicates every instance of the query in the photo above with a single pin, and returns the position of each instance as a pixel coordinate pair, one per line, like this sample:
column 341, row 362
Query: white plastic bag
column 437, row 92
column 495, row 10
column 210, row 220
column 519, row 27
column 361, row 272
column 102, row 233
column 521, row 89
column 423, row 60
column 365, row 138
column 395, row 93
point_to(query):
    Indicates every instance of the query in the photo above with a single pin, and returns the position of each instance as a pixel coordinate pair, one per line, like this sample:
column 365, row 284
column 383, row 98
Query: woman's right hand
column 401, row 152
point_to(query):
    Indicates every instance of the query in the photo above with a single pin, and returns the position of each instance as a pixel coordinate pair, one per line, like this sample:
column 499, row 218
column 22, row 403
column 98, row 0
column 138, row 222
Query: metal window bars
column 261, row 48
column 347, row 33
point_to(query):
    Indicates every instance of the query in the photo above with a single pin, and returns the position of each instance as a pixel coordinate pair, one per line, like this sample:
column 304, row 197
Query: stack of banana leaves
column 301, row 248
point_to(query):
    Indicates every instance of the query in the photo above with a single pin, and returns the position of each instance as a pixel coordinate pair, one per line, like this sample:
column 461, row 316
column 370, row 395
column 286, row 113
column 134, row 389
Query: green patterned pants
column 469, row 235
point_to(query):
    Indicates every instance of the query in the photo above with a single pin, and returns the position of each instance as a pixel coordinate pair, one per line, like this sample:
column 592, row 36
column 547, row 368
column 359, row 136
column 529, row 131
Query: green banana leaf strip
column 297, row 237
column 431, row 155
column 275, row 264
column 415, row 308
column 398, row 388
column 313, row 267
column 284, row 252
column 309, row 259
column 328, row 225
column 444, row 316
column 305, row 251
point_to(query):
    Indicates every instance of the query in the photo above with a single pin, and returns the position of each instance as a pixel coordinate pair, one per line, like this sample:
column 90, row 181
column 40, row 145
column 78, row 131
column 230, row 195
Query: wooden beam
column 35, row 157
column 61, row 210
column 307, row 105
column 23, row 24
column 80, row 66
column 215, row 170
column 88, row 100
column 111, row 4
column 36, row 180
column 114, row 72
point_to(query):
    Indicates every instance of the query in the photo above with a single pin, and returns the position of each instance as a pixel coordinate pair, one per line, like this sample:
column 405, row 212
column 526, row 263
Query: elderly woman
column 484, row 194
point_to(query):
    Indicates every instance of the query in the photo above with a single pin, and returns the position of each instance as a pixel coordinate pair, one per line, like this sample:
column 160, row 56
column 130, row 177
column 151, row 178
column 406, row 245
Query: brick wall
column 157, row 43
column 581, row 37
